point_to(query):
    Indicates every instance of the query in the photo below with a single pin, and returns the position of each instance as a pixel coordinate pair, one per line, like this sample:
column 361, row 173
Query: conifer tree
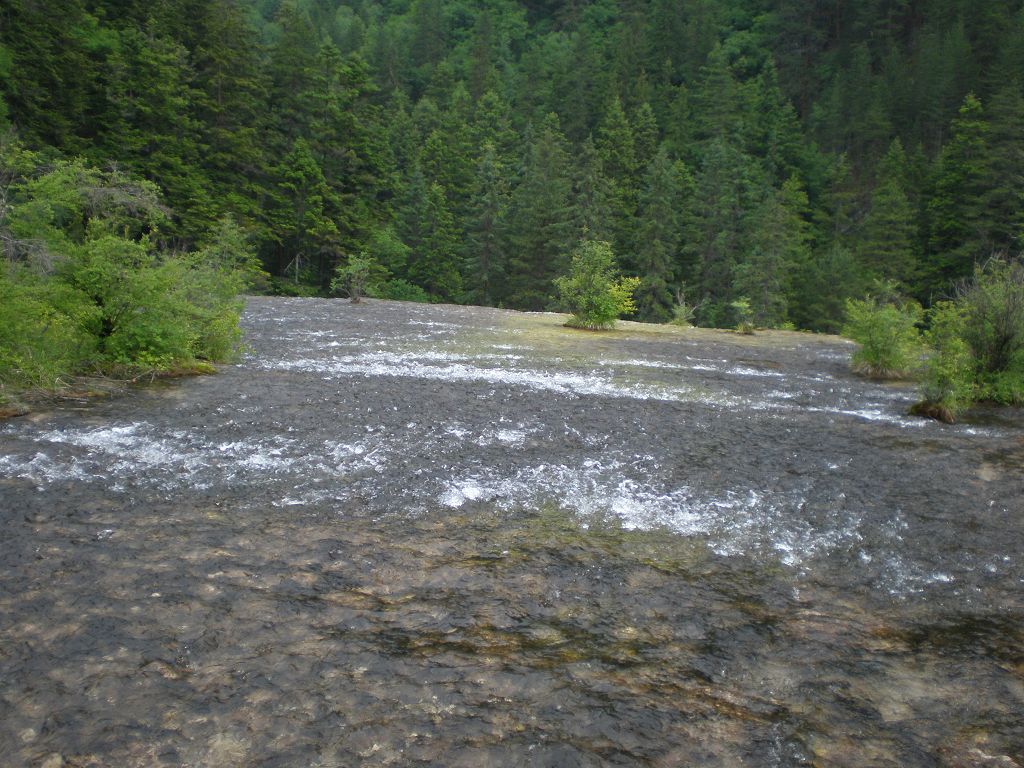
column 957, row 219
column 291, row 70
column 616, row 146
column 591, row 195
column 153, row 129
column 231, row 104
column 433, row 260
column 1004, row 197
column 729, row 185
column 299, row 216
column 646, row 135
column 659, row 232
column 887, row 247
column 487, row 244
column 541, row 232
column 779, row 250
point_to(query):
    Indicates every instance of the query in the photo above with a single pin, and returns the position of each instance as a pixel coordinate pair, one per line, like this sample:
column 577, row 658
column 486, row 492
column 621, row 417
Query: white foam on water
column 145, row 456
column 742, row 370
column 870, row 414
column 737, row 522
column 41, row 469
column 447, row 367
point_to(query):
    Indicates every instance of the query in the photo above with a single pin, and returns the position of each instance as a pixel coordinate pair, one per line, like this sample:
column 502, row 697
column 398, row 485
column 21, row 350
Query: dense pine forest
column 773, row 155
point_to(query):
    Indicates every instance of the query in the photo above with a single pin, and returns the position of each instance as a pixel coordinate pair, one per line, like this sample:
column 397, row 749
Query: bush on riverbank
column 973, row 344
column 85, row 288
column 886, row 330
column 593, row 291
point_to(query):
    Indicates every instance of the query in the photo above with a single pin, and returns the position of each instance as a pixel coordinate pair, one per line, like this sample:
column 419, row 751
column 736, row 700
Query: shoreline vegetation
column 156, row 161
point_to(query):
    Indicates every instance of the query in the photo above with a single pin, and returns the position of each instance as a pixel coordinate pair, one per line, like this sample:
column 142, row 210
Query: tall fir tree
column 616, row 146
column 659, row 233
column 1004, row 196
column 541, row 220
column 887, row 248
column 592, row 194
column 956, row 216
column 779, row 251
column 434, row 259
column 487, row 250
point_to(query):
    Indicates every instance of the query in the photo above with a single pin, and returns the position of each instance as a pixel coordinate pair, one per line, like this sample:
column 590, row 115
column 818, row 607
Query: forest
column 770, row 157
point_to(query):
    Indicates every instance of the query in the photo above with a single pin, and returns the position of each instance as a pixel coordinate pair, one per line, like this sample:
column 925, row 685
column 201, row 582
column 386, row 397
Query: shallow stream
column 399, row 534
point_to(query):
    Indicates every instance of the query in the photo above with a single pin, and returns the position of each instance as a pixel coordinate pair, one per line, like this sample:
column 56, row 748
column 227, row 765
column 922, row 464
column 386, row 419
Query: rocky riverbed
column 399, row 534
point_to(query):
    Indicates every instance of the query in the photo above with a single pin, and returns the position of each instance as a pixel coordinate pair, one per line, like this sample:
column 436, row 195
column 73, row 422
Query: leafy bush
column 82, row 285
column 948, row 385
column 993, row 306
column 593, row 291
column 157, row 312
column 47, row 331
column 890, row 343
column 744, row 315
column 361, row 276
column 401, row 290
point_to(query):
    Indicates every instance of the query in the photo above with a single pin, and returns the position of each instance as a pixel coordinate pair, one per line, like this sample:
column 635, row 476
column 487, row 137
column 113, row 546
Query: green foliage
column 228, row 250
column 886, row 330
column 887, row 248
column 322, row 127
column 993, row 306
column 401, row 290
column 948, row 384
column 659, row 235
column 47, row 331
column 541, row 220
column 84, row 286
column 593, row 291
column 744, row 314
column 361, row 276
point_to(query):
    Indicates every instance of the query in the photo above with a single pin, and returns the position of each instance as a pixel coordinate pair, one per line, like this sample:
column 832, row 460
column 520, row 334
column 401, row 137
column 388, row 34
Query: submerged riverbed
column 400, row 534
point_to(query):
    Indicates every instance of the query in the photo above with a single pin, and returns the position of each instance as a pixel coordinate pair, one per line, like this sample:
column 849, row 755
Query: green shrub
column 47, row 331
column 993, row 306
column 228, row 251
column 89, row 289
column 361, row 276
column 744, row 315
column 401, row 290
column 948, row 384
column 890, row 343
column 593, row 291
column 683, row 312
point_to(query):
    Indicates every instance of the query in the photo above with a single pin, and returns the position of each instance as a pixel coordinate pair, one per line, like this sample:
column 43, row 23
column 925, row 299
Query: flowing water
column 398, row 534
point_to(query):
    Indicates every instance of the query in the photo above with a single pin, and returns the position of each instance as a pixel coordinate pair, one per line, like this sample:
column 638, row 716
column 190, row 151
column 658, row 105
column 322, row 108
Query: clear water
column 399, row 534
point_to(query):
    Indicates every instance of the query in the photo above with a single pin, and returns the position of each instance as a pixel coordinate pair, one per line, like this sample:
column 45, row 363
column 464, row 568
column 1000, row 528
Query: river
column 400, row 534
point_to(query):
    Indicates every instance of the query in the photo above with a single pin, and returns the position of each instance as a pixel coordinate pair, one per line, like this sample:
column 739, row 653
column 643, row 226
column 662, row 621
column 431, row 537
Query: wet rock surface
column 408, row 535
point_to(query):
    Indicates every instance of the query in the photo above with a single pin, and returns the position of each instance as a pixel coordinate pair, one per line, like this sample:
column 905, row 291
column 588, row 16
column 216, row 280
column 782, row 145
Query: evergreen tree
column 592, row 195
column 779, row 250
column 152, row 128
column 487, row 246
column 291, row 68
column 957, row 219
column 730, row 183
column 231, row 105
column 887, row 247
column 616, row 146
column 646, row 135
column 541, row 220
column 1004, row 196
column 299, row 216
column 658, row 236
column 433, row 259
